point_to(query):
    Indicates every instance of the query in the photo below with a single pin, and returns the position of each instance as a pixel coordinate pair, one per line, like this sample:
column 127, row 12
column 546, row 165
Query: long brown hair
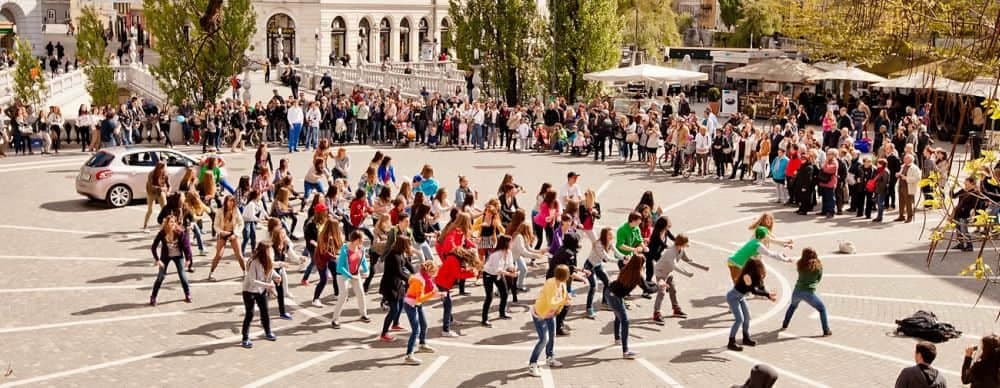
column 516, row 220
column 809, row 261
column 605, row 238
column 463, row 222
column 330, row 238
column 262, row 254
column 159, row 173
column 766, row 220
column 631, row 274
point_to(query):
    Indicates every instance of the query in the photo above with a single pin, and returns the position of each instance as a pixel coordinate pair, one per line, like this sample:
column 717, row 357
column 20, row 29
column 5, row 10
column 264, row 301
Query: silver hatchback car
column 118, row 175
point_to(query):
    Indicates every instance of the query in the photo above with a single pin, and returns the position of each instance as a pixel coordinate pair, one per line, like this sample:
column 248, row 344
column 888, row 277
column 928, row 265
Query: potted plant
column 714, row 96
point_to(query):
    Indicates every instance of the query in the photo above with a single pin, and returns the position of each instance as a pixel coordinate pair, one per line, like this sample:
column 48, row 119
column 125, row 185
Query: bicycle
column 666, row 162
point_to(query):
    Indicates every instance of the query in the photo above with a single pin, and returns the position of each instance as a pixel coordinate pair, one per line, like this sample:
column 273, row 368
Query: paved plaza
column 77, row 278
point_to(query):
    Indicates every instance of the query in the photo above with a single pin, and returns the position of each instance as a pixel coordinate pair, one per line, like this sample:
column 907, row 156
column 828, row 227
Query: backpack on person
column 925, row 325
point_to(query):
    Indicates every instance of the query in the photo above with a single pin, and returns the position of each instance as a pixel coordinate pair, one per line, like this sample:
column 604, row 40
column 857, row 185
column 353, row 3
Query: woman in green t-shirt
column 810, row 273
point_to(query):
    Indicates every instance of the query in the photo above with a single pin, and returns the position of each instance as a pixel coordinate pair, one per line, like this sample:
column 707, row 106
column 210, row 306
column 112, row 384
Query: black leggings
column 260, row 299
column 488, row 282
column 538, row 235
column 281, row 292
column 371, row 268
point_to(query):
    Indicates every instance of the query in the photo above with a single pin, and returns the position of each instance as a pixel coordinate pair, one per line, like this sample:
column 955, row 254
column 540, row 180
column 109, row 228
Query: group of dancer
column 428, row 245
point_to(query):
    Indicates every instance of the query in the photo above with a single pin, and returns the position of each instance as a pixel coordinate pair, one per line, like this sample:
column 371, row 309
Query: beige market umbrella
column 776, row 70
column 918, row 80
column 646, row 72
column 848, row 74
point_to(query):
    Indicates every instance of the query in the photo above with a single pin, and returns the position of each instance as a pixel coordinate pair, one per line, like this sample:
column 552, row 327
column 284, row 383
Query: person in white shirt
column 478, row 119
column 259, row 281
column 711, row 122
column 295, row 119
column 571, row 191
column 312, row 118
column 253, row 212
column 498, row 267
column 702, row 145
column 523, row 131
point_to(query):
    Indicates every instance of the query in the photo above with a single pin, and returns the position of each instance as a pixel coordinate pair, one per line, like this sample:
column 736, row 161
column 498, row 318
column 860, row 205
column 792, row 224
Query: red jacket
column 454, row 239
column 450, row 272
column 793, row 167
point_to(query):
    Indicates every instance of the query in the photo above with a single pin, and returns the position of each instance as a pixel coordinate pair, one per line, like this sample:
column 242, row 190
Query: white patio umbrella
column 646, row 72
column 980, row 87
column 776, row 70
column 848, row 74
column 918, row 80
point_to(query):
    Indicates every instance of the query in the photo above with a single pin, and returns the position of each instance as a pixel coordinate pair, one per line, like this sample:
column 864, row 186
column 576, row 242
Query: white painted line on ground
column 426, row 375
column 870, row 254
column 547, row 380
column 894, row 276
column 297, row 367
column 781, row 372
column 659, row 373
column 913, row 301
column 90, row 368
column 719, row 225
column 886, row 325
column 46, row 161
column 689, row 199
column 604, row 186
column 112, row 287
column 852, row 349
column 40, row 229
column 53, row 165
column 81, row 258
column 87, row 322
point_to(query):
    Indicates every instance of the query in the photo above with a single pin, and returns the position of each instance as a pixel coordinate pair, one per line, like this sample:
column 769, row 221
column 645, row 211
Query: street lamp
column 316, row 35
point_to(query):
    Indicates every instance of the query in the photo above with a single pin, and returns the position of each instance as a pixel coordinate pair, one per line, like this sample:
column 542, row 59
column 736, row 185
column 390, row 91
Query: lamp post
column 476, row 79
column 317, row 63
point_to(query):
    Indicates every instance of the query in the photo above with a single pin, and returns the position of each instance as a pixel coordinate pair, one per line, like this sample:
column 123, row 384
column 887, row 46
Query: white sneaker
column 534, row 371
column 317, row 303
column 553, row 363
column 450, row 334
column 410, row 360
column 425, row 349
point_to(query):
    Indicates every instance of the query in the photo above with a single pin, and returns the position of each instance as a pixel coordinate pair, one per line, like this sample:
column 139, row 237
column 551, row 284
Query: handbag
column 631, row 138
column 872, row 183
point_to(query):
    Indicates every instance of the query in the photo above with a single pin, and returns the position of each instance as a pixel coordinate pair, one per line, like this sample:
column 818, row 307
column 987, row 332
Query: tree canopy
column 730, row 11
column 195, row 63
column 29, row 83
column 657, row 24
column 586, row 38
column 91, row 51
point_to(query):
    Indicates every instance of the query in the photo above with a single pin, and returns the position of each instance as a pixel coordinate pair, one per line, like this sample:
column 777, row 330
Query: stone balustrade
column 139, row 80
column 409, row 85
column 61, row 86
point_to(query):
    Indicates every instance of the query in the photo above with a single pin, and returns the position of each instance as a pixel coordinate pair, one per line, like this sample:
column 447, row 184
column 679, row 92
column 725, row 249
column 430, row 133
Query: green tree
column 91, row 51
column 730, row 11
column 760, row 18
column 657, row 24
column 506, row 33
column 195, row 63
column 586, row 37
column 29, row 83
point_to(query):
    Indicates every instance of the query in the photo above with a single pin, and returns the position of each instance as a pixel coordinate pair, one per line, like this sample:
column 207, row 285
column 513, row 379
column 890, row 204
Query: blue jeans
column 324, row 273
column 426, row 251
column 522, row 272
column 741, row 312
column 196, row 231
column 596, row 273
column 312, row 136
column 127, row 136
column 179, row 264
column 829, row 200
column 418, row 326
column 395, row 308
column 477, row 136
column 249, row 235
column 446, row 304
column 621, row 320
column 309, row 187
column 546, row 329
column 880, row 202
column 811, row 299
column 293, row 137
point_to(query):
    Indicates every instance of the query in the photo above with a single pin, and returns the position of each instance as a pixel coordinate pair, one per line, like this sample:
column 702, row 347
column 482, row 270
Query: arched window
column 280, row 38
column 364, row 31
column 404, row 40
column 384, row 34
column 338, row 38
column 445, row 35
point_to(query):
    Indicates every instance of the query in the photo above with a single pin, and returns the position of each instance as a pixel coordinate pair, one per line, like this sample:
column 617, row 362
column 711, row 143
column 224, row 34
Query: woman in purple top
column 174, row 245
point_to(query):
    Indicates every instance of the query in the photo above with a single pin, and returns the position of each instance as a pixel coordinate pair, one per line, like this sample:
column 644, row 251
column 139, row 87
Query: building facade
column 368, row 31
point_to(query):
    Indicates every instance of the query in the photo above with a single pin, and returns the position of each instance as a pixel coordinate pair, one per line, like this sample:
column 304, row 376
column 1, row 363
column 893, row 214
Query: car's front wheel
column 119, row 196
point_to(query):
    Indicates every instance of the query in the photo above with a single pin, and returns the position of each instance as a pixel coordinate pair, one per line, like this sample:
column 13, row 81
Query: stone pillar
column 351, row 40
column 373, row 44
column 414, row 41
column 394, row 42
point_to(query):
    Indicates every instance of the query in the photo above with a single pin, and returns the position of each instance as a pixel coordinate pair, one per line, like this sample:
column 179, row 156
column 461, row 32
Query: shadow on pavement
column 495, row 379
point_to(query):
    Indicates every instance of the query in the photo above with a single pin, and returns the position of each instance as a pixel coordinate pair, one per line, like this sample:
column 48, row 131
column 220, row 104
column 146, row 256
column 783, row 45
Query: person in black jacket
column 862, row 201
column 968, row 201
column 984, row 372
column 395, row 275
column 895, row 164
column 629, row 278
column 804, row 185
column 750, row 281
column 565, row 256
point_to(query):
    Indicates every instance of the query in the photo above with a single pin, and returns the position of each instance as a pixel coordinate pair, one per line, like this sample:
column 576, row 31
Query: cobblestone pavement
column 78, row 275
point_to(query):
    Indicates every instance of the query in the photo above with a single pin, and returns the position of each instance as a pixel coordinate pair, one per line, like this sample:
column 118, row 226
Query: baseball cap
column 321, row 207
column 571, row 174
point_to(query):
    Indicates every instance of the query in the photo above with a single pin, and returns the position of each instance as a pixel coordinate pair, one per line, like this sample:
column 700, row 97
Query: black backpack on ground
column 925, row 325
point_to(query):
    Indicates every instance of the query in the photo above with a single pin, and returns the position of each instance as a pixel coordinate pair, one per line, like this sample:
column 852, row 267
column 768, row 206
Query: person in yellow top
column 551, row 300
column 420, row 288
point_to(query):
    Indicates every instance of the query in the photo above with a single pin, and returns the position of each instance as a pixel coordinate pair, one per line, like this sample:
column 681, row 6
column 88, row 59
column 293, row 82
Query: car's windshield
column 100, row 159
